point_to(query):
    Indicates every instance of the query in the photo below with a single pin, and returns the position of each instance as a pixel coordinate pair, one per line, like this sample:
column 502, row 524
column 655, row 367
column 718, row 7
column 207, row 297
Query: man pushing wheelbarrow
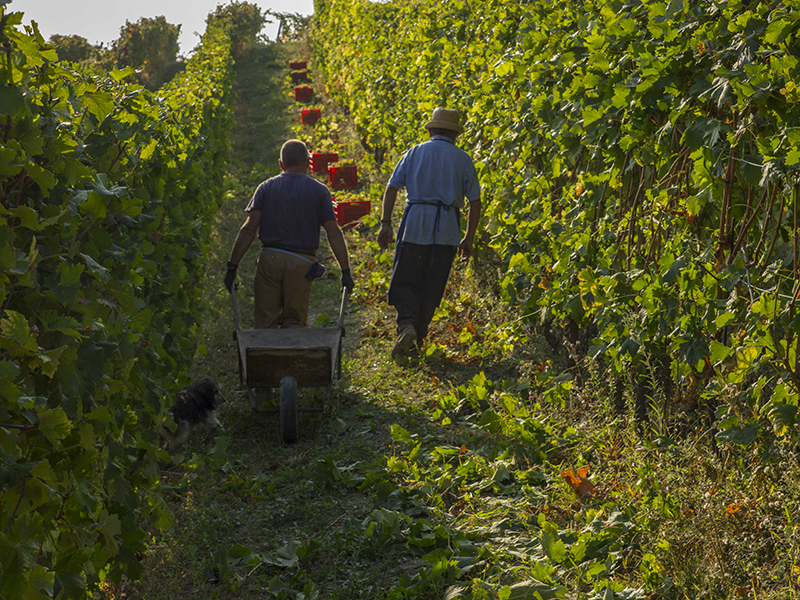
column 285, row 214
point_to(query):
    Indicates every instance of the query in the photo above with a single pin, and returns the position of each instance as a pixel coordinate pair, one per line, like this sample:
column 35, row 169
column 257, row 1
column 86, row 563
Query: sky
column 100, row 20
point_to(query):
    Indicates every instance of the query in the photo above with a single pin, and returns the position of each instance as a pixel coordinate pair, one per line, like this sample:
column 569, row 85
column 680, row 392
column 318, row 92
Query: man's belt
column 307, row 251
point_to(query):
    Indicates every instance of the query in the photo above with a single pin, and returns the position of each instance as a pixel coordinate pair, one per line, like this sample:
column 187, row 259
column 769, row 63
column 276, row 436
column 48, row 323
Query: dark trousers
column 418, row 282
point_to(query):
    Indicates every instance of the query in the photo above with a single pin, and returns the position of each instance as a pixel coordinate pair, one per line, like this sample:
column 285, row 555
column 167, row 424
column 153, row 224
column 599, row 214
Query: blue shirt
column 434, row 172
column 293, row 207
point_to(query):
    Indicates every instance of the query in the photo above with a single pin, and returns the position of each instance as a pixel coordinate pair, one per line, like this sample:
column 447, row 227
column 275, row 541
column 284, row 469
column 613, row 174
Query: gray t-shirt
column 293, row 207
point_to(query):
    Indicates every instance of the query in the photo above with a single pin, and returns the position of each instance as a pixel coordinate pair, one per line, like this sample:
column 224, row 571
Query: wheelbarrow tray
column 288, row 359
column 309, row 355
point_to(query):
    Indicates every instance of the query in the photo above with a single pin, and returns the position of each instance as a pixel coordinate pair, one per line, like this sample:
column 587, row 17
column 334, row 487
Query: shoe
column 405, row 341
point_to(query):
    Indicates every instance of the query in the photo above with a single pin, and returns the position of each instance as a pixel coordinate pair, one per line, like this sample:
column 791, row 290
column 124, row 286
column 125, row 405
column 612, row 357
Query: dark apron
column 398, row 244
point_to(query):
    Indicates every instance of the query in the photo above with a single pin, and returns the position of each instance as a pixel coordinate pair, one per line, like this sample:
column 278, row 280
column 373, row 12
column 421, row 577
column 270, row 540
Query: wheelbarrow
column 288, row 359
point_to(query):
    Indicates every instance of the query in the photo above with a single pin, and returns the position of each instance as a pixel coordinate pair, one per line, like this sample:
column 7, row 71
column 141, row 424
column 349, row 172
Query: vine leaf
column 54, row 425
column 11, row 99
column 578, row 482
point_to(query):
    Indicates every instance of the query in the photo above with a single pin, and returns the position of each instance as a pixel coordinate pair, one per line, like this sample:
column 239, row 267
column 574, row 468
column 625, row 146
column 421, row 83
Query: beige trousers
column 281, row 290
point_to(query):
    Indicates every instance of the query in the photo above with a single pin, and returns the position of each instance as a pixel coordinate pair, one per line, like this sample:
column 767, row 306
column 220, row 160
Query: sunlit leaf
column 578, row 482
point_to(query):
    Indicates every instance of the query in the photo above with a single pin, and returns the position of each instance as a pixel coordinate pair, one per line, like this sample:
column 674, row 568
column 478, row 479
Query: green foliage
column 73, row 48
column 291, row 26
column 95, row 60
column 482, row 517
column 639, row 160
column 242, row 20
column 289, row 556
column 149, row 45
column 106, row 195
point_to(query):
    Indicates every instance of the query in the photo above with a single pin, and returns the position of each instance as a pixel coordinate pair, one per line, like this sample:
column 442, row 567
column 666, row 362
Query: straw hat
column 445, row 118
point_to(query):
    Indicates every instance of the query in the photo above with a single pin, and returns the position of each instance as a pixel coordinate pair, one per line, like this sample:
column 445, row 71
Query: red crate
column 310, row 116
column 296, row 65
column 347, row 212
column 299, row 77
column 320, row 160
column 303, row 93
column 343, row 177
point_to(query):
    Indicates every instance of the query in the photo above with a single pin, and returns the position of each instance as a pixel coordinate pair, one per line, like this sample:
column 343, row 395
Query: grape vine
column 641, row 161
column 106, row 197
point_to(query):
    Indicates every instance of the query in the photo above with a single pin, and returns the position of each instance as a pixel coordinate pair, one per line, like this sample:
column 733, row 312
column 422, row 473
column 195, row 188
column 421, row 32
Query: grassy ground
column 427, row 479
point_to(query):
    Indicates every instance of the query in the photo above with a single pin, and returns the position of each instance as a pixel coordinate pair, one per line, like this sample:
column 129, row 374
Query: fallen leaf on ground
column 582, row 487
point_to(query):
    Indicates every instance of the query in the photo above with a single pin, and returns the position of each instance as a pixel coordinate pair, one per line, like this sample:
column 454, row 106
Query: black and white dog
column 196, row 404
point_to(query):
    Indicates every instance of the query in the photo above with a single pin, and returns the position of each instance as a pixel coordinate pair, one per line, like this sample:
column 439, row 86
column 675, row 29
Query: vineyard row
column 641, row 165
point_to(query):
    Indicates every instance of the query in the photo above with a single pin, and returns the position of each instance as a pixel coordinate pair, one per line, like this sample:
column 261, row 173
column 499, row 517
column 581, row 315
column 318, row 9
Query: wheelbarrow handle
column 235, row 308
column 345, row 294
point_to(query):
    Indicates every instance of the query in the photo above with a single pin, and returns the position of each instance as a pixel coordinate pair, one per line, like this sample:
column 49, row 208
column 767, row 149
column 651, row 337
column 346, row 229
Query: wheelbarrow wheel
column 289, row 409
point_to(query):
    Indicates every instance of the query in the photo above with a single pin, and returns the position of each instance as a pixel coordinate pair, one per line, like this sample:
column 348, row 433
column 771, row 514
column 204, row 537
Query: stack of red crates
column 343, row 177
column 348, row 212
column 320, row 160
column 297, row 65
column 303, row 93
column 310, row 116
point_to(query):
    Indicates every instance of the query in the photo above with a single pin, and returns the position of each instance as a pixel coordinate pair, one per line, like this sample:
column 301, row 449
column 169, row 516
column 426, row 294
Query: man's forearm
column 339, row 247
column 473, row 218
column 389, row 199
column 242, row 244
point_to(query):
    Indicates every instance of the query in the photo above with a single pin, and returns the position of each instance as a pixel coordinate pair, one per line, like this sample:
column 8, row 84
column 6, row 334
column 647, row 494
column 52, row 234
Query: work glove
column 347, row 280
column 230, row 276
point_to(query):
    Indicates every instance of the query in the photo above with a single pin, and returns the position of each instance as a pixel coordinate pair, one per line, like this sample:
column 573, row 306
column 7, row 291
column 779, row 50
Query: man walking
column 286, row 213
column 437, row 176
